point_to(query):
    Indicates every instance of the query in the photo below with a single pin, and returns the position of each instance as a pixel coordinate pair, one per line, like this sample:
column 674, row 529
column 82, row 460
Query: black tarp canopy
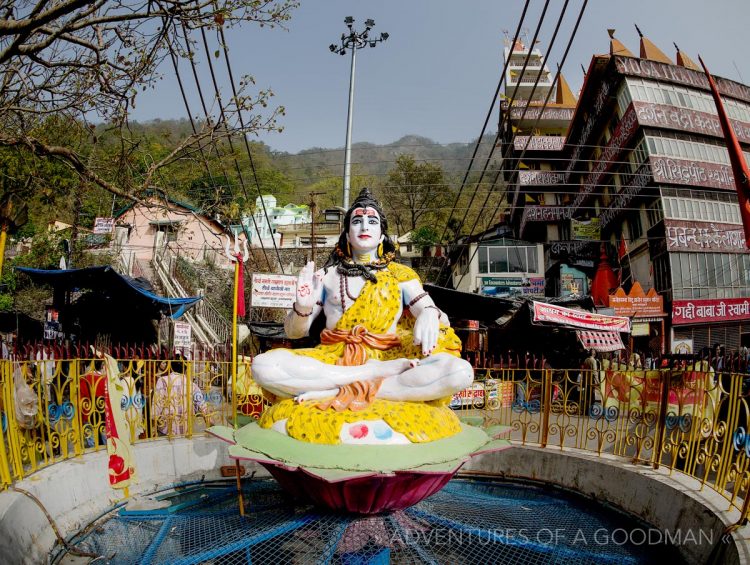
column 101, row 302
column 135, row 292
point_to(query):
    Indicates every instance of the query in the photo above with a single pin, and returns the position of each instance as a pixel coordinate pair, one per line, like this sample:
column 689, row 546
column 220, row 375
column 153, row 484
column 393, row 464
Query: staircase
column 209, row 327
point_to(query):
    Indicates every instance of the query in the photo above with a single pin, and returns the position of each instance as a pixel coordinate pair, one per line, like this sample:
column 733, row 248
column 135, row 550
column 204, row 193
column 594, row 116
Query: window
column 169, row 231
column 710, row 275
column 517, row 259
column 498, row 259
column 507, row 259
column 680, row 96
column 482, row 256
column 635, row 229
column 654, row 213
column 684, row 207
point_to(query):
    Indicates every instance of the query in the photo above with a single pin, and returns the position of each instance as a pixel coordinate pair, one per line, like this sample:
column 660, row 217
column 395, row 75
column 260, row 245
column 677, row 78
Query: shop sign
column 579, row 319
column 538, row 178
column 501, row 281
column 682, row 75
column 624, row 131
column 640, row 329
column 590, row 121
column 627, row 193
column 704, row 236
column 577, row 248
column 687, row 120
column 637, row 303
column 586, row 230
column 545, row 214
column 539, row 143
column 710, row 310
column 506, row 286
column 564, row 114
column 683, row 171
column 273, row 291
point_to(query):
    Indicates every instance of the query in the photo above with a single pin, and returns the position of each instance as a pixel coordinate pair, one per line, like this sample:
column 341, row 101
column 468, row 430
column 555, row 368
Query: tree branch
column 69, row 157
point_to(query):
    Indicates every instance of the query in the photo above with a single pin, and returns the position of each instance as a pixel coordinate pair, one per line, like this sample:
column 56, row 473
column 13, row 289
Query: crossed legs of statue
column 304, row 378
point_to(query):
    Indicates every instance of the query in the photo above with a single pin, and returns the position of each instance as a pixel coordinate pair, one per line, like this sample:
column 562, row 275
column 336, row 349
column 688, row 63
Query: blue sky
column 436, row 74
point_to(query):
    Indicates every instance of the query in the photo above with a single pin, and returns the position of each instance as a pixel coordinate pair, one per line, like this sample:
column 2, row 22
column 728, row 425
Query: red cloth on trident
column 736, row 157
column 240, row 288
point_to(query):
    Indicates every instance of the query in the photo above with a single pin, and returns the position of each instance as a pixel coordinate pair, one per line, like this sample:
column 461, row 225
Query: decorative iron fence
column 689, row 419
column 53, row 410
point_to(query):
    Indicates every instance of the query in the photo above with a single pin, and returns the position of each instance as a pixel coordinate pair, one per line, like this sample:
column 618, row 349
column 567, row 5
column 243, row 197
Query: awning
column 109, row 281
column 600, row 341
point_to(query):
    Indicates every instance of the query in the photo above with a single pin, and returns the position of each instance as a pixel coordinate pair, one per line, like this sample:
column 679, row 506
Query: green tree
column 415, row 194
column 424, row 237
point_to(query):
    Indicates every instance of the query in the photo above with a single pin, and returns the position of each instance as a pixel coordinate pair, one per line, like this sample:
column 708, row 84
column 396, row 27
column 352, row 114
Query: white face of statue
column 365, row 232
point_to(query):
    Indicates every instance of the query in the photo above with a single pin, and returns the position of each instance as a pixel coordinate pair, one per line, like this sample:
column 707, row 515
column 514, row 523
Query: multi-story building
column 536, row 111
column 646, row 162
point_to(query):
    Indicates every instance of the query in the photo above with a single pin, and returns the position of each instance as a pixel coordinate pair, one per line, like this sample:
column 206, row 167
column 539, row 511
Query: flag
column 622, row 251
column 736, row 157
column 121, row 461
column 240, row 288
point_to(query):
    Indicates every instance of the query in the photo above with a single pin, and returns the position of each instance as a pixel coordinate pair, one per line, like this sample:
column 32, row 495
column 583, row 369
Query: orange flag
column 736, row 157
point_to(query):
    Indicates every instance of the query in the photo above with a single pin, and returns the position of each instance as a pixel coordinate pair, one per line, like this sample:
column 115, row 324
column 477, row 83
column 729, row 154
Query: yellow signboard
column 586, row 230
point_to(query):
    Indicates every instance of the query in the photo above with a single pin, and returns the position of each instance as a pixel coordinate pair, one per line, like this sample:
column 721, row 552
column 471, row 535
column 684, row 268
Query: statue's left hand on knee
column 426, row 330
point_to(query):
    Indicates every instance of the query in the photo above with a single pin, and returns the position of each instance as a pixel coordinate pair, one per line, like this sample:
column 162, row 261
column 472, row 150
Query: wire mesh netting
column 469, row 521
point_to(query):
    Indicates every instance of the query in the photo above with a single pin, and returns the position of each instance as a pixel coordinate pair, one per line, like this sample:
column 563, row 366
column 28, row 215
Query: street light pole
column 348, row 150
column 353, row 41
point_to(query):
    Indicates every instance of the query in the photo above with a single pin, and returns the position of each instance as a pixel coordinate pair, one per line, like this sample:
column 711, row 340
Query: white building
column 264, row 223
column 501, row 267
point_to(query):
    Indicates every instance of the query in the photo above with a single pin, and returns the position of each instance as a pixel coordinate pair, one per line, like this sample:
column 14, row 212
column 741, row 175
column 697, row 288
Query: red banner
column 736, row 158
column 579, row 319
column 710, row 310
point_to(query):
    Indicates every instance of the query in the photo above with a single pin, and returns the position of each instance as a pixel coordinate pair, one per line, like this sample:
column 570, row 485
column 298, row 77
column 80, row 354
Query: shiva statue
column 384, row 340
column 360, row 423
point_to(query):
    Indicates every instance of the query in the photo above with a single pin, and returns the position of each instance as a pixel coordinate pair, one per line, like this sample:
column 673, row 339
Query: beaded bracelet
column 300, row 314
column 416, row 299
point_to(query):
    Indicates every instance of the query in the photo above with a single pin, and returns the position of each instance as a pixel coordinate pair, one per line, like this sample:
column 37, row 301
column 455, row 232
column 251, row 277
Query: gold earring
column 380, row 249
column 348, row 249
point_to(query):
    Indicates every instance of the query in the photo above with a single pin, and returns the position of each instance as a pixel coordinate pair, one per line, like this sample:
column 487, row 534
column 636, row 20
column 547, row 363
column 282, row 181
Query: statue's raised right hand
column 308, row 286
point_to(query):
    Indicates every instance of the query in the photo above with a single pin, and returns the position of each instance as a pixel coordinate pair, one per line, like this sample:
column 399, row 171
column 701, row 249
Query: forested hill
column 377, row 160
column 292, row 176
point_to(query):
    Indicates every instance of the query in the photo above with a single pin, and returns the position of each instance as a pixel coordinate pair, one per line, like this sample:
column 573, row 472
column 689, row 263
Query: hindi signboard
column 637, row 304
column 710, row 310
column 104, row 225
column 709, row 237
column 273, row 291
column 183, row 335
